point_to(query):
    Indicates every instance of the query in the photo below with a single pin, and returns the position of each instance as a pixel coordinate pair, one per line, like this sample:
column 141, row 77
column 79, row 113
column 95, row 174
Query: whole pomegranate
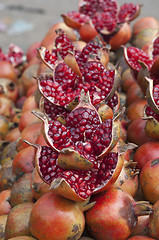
column 149, row 180
column 154, row 221
column 18, row 220
column 114, row 215
column 146, row 152
column 56, row 218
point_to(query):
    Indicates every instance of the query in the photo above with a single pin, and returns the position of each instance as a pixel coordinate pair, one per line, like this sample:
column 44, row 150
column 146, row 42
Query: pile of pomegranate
column 79, row 129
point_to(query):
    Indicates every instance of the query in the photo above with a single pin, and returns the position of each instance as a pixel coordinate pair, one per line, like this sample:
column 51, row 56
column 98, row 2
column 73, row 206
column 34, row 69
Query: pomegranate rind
column 70, row 159
column 74, row 23
column 150, row 97
column 62, row 188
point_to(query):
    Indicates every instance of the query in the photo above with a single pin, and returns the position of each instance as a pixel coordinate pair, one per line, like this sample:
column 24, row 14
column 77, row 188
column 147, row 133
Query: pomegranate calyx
column 71, row 159
column 122, row 148
column 142, row 208
column 150, row 97
column 85, row 205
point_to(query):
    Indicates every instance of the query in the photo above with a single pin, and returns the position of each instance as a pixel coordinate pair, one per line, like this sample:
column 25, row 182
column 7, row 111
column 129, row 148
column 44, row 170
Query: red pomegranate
column 114, row 215
column 56, row 218
column 154, row 220
column 18, row 221
column 143, row 23
column 146, row 152
column 21, row 191
column 24, row 161
column 38, row 186
column 149, row 180
column 5, row 206
column 136, row 132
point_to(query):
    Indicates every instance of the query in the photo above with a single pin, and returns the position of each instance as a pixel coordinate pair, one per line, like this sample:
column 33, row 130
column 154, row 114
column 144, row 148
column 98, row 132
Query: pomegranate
column 7, row 107
column 7, row 70
column 38, row 186
column 149, row 184
column 136, row 109
column 30, row 133
column 127, row 79
column 153, row 223
column 136, row 132
column 9, row 89
column 21, row 191
column 5, row 206
column 151, row 111
column 141, row 227
column 114, row 215
column 102, row 17
column 143, row 23
column 128, row 178
column 134, row 93
column 56, row 218
column 23, row 162
column 4, row 126
column 121, row 37
column 12, row 135
column 32, row 50
column 28, row 75
column 76, row 72
column 146, row 152
column 79, row 153
column 3, row 220
column 26, row 119
column 18, row 221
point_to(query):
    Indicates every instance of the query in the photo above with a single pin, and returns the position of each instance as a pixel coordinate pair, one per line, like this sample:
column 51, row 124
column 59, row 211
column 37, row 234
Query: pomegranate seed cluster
column 155, row 51
column 65, row 85
column 82, row 182
column 134, row 55
column 54, row 111
column 14, row 55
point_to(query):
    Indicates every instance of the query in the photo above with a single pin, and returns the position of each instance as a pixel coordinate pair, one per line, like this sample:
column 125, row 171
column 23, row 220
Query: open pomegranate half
column 106, row 17
column 75, row 71
column 82, row 158
column 144, row 64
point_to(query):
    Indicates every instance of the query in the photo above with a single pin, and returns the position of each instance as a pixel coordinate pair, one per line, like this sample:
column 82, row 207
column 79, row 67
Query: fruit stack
column 79, row 114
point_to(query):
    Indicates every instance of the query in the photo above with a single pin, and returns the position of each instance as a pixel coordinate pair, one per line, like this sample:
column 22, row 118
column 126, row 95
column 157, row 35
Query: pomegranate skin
column 108, row 219
column 56, row 218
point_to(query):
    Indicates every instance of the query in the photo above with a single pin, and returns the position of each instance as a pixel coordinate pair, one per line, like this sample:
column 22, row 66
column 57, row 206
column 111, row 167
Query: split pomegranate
column 103, row 17
column 77, row 72
column 80, row 152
